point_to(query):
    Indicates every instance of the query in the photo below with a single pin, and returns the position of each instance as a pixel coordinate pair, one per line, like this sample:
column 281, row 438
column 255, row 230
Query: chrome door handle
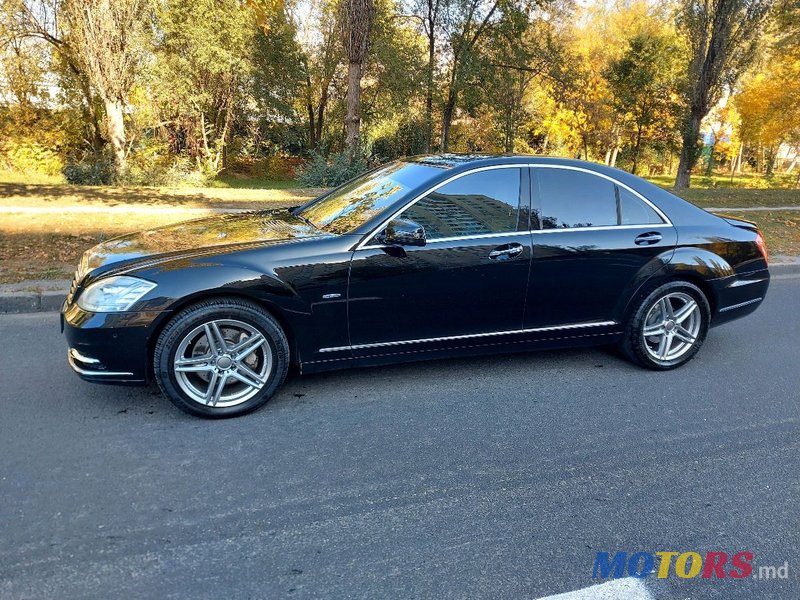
column 507, row 251
column 646, row 239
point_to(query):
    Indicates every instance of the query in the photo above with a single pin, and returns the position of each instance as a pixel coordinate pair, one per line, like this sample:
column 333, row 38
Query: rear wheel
column 668, row 326
column 221, row 358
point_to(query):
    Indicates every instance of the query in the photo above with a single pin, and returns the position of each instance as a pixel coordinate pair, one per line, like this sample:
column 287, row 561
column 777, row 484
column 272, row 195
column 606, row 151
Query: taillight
column 762, row 246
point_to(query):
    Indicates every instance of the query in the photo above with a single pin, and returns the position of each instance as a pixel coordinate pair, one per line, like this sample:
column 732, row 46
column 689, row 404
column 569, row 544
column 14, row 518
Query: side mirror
column 402, row 232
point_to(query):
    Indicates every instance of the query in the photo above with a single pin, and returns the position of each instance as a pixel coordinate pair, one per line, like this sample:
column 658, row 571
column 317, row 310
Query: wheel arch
column 271, row 307
column 666, row 275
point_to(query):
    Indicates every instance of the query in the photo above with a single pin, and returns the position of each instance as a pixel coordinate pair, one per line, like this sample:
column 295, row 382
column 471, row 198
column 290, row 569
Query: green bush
column 89, row 172
column 149, row 169
column 30, row 157
column 276, row 168
column 407, row 140
column 333, row 169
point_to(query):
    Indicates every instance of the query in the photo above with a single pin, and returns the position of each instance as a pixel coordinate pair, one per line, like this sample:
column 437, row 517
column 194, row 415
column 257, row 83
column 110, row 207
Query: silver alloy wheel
column 672, row 326
column 223, row 363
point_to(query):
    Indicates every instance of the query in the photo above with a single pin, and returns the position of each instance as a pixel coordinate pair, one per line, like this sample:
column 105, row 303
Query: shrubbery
column 30, row 157
column 89, row 172
column 333, row 169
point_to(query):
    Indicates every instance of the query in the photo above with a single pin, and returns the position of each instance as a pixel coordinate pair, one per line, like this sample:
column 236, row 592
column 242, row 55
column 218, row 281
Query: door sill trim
column 470, row 336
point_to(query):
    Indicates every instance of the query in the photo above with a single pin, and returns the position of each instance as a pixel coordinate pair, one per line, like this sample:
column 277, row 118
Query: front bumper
column 110, row 347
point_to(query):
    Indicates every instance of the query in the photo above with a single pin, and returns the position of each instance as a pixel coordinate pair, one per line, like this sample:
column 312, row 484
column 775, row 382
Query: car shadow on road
column 360, row 383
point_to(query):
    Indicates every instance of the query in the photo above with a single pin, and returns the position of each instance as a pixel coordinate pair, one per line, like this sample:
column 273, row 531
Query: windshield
column 355, row 203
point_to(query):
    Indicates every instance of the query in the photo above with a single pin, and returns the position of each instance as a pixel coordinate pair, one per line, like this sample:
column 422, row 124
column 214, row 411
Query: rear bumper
column 109, row 348
column 739, row 295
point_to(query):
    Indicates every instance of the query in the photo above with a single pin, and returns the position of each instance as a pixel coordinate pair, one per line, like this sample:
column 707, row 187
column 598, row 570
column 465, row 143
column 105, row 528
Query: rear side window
column 480, row 203
column 635, row 212
column 571, row 199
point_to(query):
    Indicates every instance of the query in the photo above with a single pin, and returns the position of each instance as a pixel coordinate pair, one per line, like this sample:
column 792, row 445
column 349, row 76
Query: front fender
column 187, row 282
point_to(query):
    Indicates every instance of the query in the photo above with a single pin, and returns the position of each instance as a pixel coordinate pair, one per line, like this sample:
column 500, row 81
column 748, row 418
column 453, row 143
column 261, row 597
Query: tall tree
column 356, row 24
column 471, row 20
column 643, row 82
column 110, row 41
column 431, row 15
column 40, row 21
column 202, row 72
column 723, row 36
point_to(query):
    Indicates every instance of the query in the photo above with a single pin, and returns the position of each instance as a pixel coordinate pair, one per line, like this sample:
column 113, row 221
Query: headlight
column 114, row 294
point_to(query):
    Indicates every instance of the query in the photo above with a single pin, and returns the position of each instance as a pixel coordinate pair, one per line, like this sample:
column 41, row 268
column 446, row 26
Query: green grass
column 743, row 181
column 781, row 230
column 242, row 182
column 739, row 198
column 16, row 177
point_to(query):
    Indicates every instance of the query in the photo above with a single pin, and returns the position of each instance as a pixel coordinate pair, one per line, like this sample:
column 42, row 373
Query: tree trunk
column 312, row 138
column 115, row 124
column 353, row 119
column 710, row 163
column 89, row 112
column 636, row 149
column 689, row 152
column 323, row 104
column 429, row 90
column 614, row 153
column 792, row 165
column 447, row 119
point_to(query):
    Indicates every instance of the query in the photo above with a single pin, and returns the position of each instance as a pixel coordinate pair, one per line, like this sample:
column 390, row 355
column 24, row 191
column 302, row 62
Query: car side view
column 427, row 257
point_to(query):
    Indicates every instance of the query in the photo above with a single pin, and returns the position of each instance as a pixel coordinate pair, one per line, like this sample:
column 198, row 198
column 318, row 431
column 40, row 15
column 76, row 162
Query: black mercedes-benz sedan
column 421, row 258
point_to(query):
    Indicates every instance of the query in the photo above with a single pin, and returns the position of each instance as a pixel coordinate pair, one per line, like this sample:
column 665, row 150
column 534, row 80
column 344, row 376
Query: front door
column 469, row 279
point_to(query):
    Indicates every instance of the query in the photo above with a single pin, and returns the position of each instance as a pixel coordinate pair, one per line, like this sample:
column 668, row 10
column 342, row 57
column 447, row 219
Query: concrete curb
column 30, row 302
column 52, row 300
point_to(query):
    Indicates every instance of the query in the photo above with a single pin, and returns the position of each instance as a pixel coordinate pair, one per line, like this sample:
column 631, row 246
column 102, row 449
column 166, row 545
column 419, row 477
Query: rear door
column 594, row 239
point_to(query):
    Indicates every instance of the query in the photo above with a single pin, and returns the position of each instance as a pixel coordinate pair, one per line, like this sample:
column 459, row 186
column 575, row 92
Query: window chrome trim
column 659, row 212
column 365, row 243
column 601, row 228
column 476, row 236
column 470, row 336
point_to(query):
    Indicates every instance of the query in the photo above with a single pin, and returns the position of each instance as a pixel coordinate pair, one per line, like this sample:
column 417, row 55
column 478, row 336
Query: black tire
column 206, row 311
column 634, row 345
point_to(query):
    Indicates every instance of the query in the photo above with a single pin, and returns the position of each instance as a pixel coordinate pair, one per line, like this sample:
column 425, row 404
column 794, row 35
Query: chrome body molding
column 740, row 305
column 470, row 336
column 74, row 355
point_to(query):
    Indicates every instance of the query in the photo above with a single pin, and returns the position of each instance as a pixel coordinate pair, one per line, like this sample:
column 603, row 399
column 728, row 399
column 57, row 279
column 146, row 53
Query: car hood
column 196, row 237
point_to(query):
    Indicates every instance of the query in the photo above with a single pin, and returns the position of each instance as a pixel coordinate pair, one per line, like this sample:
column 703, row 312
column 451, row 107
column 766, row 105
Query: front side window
column 353, row 204
column 479, row 203
column 570, row 199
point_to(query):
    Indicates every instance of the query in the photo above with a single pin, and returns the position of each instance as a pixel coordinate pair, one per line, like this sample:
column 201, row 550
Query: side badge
column 330, row 296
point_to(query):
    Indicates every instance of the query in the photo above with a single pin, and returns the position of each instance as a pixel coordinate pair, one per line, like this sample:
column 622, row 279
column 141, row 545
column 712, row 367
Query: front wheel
column 221, row 358
column 668, row 326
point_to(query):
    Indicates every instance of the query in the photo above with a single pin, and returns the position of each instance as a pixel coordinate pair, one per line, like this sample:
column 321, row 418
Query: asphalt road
column 484, row 478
